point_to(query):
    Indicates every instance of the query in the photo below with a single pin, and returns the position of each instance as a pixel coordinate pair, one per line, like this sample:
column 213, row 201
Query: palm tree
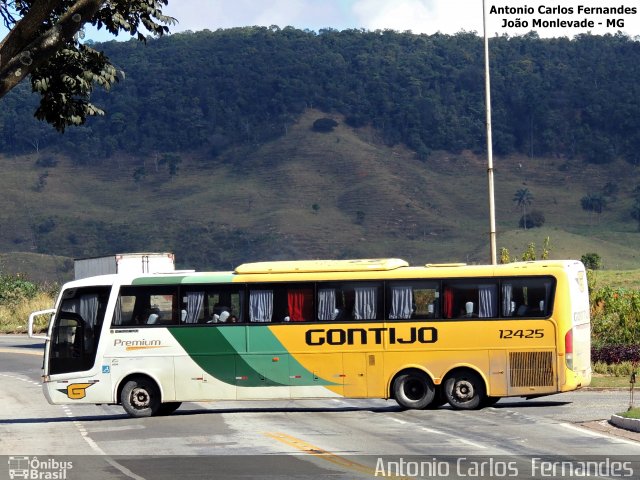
column 522, row 198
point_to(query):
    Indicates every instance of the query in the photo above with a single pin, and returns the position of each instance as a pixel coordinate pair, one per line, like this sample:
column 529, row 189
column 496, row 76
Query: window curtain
column 260, row 305
column 327, row 304
column 300, row 303
column 448, row 303
column 365, row 303
column 487, row 296
column 117, row 314
column 195, row 302
column 507, row 298
column 547, row 298
column 401, row 303
column 89, row 309
column 86, row 306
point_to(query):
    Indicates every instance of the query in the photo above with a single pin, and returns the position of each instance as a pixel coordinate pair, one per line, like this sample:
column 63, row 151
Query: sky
column 419, row 16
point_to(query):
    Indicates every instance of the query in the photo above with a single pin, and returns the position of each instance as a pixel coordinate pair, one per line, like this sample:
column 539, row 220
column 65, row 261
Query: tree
column 533, row 220
column 44, row 43
column 522, row 198
column 324, row 124
column 593, row 203
column 173, row 161
column 592, row 261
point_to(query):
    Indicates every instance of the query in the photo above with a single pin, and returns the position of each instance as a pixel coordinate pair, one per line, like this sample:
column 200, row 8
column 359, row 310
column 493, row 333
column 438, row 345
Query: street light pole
column 487, row 86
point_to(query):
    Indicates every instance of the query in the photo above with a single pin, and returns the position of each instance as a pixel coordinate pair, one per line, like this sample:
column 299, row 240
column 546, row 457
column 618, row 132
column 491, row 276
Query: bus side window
column 300, row 304
column 147, row 306
column 471, row 299
column 260, row 305
column 192, row 310
column 413, row 300
column 347, row 301
column 211, row 304
column 527, row 297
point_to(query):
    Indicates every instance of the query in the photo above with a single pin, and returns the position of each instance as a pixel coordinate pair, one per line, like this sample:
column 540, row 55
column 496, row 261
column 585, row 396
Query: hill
column 208, row 149
column 308, row 194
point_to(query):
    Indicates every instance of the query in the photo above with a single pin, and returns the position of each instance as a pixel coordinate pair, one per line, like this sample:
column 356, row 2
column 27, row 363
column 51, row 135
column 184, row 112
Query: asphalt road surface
column 331, row 438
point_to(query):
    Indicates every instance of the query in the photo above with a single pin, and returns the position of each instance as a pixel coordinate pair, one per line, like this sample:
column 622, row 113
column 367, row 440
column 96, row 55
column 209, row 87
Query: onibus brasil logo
column 36, row 469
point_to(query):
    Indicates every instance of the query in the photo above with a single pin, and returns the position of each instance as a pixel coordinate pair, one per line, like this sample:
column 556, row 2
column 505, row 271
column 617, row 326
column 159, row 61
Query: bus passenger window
column 527, row 297
column 350, row 301
column 192, row 310
column 471, row 299
column 327, row 307
column 413, row 300
column 147, row 306
column 209, row 304
column 300, row 304
column 260, row 305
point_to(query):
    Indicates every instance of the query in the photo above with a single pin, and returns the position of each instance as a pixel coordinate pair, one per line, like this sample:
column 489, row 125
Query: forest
column 211, row 90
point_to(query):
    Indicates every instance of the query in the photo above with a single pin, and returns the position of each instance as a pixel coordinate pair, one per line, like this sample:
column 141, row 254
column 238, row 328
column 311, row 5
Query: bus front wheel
column 140, row 397
column 465, row 390
column 414, row 390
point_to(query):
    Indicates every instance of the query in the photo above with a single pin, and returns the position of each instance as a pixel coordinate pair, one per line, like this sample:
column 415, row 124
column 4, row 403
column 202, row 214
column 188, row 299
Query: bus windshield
column 76, row 329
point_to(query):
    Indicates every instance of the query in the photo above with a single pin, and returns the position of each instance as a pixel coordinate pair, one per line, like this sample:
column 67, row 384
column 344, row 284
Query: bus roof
column 312, row 266
column 324, row 269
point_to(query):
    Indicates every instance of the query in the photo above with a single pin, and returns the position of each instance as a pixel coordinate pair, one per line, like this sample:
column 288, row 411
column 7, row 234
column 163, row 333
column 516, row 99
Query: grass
column 15, row 319
column 629, row 279
column 631, row 413
column 609, row 381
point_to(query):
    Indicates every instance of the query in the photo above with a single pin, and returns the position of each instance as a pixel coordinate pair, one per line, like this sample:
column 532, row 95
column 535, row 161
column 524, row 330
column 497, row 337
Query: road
column 332, row 438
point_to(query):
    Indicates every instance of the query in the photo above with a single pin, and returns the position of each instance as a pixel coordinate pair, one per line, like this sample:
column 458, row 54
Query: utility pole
column 487, row 86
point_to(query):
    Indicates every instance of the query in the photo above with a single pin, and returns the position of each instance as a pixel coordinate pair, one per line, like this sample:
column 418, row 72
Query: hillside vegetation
column 575, row 98
column 307, row 195
column 209, row 150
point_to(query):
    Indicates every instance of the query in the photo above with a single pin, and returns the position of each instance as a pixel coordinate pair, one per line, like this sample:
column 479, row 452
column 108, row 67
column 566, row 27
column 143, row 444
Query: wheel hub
column 414, row 390
column 464, row 390
column 140, row 398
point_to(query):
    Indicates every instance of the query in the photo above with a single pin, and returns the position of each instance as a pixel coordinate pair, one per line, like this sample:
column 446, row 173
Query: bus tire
column 140, row 397
column 168, row 408
column 439, row 399
column 465, row 390
column 414, row 390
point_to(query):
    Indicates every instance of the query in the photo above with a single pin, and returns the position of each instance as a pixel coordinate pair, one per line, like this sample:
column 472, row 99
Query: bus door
column 74, row 337
column 265, row 364
column 363, row 374
column 498, row 373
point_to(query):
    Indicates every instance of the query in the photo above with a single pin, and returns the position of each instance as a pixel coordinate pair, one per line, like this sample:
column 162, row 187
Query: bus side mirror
column 32, row 318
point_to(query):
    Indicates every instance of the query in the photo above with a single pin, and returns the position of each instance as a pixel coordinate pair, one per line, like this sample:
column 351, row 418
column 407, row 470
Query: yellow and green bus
column 369, row 328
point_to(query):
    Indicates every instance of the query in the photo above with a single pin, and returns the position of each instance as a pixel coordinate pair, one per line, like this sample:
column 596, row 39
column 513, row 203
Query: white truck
column 124, row 263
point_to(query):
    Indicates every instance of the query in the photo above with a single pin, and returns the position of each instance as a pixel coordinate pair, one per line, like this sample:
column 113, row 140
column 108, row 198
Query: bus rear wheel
column 465, row 390
column 414, row 389
column 140, row 397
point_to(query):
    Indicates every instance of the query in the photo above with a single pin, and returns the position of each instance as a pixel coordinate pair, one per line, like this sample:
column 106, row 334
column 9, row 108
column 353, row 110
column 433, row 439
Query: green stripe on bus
column 157, row 281
column 220, row 351
column 184, row 279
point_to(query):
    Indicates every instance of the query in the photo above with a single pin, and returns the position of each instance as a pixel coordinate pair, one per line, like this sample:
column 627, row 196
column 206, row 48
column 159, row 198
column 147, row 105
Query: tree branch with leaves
column 44, row 43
